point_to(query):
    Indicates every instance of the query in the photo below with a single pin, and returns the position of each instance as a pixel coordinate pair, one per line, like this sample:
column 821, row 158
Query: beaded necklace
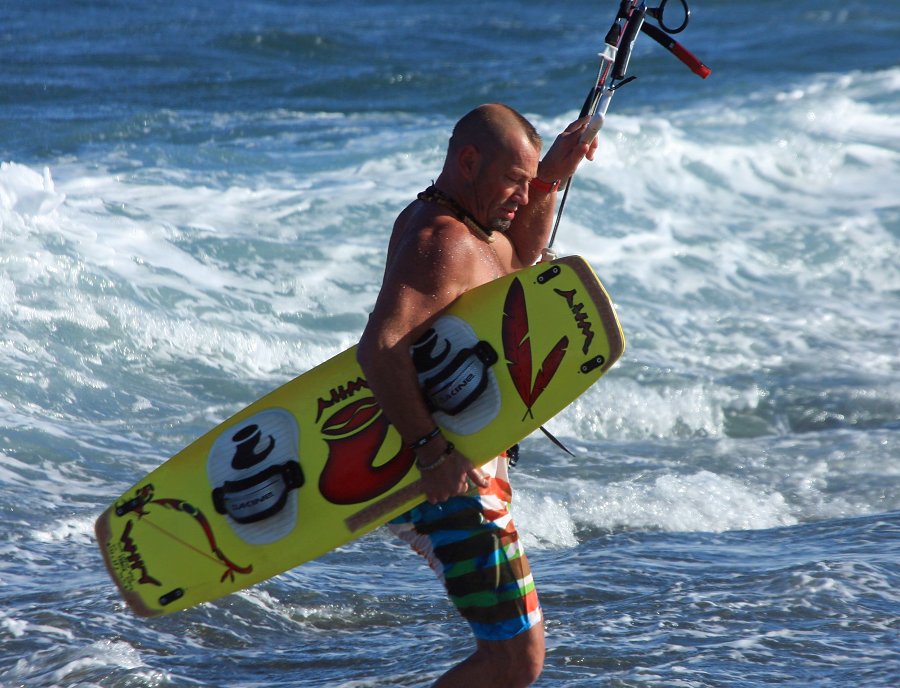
column 434, row 195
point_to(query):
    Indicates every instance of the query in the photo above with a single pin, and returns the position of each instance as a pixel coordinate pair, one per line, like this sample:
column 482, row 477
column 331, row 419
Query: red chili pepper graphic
column 351, row 417
column 350, row 476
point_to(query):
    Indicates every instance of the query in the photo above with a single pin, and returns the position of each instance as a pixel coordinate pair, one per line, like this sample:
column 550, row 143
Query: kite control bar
column 630, row 21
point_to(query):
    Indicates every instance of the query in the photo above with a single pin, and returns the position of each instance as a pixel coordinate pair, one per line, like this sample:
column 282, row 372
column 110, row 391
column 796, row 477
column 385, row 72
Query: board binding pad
column 315, row 464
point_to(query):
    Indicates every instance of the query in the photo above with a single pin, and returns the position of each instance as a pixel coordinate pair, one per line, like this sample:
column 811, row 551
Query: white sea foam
column 19, row 628
column 75, row 530
column 702, row 501
column 100, row 655
column 619, row 408
column 545, row 522
column 26, row 193
column 14, row 627
column 777, row 196
column 121, row 270
column 551, row 508
column 88, row 666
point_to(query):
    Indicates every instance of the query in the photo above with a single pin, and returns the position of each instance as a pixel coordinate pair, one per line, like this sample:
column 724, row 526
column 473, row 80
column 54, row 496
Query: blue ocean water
column 195, row 200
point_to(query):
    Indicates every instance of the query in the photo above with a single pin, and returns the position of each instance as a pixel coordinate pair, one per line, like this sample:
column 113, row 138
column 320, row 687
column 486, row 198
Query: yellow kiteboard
column 315, row 463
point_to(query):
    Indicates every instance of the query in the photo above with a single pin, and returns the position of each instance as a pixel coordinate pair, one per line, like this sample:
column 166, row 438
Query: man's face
column 502, row 183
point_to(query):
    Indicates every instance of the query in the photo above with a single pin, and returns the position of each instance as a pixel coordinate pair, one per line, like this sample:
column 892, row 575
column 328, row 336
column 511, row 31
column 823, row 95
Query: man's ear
column 469, row 161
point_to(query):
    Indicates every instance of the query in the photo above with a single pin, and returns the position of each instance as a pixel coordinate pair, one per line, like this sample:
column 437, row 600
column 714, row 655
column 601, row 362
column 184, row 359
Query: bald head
column 489, row 128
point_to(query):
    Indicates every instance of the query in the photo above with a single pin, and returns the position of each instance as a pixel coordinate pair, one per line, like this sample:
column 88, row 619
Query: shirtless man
column 489, row 213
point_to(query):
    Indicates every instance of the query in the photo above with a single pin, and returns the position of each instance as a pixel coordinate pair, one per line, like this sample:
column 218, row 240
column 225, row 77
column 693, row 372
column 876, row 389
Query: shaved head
column 489, row 128
column 492, row 157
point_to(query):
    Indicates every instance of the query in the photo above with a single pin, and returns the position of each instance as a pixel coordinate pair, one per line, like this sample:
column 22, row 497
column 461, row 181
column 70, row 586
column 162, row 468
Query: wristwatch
column 544, row 187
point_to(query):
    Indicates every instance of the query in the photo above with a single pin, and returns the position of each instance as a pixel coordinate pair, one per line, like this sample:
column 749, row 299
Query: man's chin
column 500, row 225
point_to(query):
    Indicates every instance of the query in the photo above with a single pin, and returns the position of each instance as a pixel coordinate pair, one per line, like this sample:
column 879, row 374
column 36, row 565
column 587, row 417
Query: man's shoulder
column 427, row 227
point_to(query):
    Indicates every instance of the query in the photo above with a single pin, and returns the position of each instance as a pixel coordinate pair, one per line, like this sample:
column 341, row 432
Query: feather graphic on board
column 548, row 370
column 516, row 343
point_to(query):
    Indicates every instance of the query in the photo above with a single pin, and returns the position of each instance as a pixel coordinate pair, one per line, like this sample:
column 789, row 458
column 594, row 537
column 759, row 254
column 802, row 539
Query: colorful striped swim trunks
column 470, row 541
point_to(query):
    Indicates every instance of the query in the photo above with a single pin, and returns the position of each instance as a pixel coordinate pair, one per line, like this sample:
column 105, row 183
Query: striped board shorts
column 471, row 543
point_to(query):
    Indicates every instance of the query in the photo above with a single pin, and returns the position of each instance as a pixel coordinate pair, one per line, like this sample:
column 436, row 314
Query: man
column 489, row 213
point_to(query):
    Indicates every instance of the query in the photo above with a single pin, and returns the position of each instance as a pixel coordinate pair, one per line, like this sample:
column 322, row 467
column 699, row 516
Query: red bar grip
column 678, row 50
column 695, row 65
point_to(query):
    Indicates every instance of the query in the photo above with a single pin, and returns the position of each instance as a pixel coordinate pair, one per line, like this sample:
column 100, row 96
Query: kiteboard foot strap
column 259, row 496
column 462, row 381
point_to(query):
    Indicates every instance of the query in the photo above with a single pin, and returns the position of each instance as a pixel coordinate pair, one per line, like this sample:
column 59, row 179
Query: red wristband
column 544, row 187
